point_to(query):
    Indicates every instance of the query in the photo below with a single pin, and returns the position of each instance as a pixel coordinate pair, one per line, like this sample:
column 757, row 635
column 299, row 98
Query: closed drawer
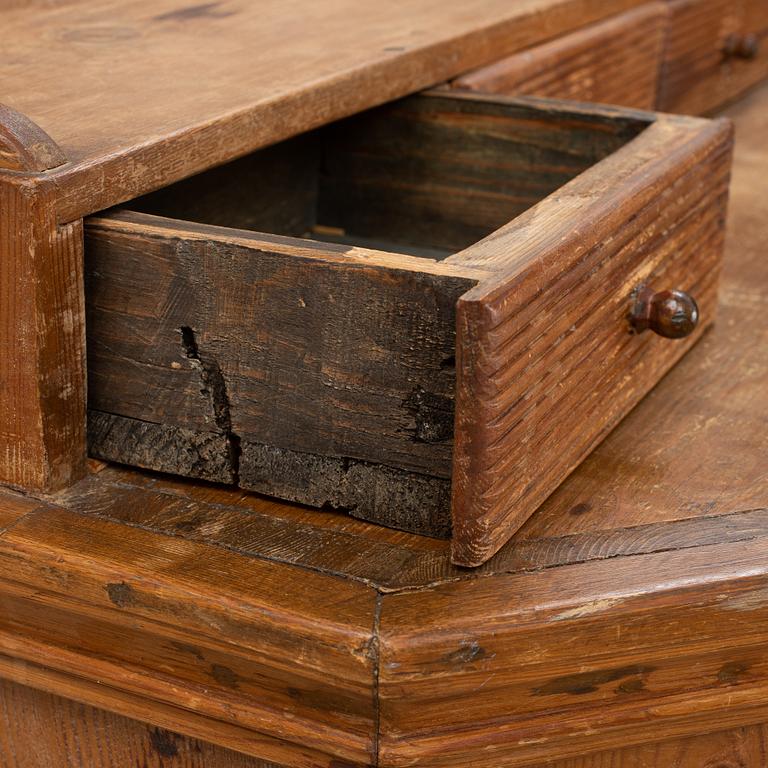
column 716, row 50
column 615, row 61
column 420, row 314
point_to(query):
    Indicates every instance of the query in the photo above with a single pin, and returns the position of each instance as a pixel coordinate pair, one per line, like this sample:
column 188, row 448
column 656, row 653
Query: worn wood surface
column 444, row 170
column 698, row 74
column 24, row 146
column 42, row 338
column 320, row 374
column 38, row 730
column 740, row 747
column 615, row 61
column 279, row 667
column 287, row 367
column 545, row 363
column 180, row 86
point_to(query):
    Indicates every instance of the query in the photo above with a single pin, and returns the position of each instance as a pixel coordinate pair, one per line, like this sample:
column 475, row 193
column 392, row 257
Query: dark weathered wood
column 408, row 501
column 272, row 190
column 546, row 364
column 702, row 67
column 615, row 61
column 285, row 366
column 163, row 447
column 444, row 171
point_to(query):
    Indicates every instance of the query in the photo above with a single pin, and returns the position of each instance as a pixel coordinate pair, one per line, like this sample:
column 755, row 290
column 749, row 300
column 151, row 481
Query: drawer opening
column 287, row 322
column 422, row 176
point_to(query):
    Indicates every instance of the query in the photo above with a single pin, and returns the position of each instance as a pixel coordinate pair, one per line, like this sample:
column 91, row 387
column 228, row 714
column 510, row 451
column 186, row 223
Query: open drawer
column 455, row 298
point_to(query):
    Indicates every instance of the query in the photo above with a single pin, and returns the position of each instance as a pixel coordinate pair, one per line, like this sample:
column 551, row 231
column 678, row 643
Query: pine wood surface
column 615, row 61
column 266, row 362
column 638, row 617
column 107, row 79
column 554, row 280
column 38, row 730
column 320, row 395
column 630, row 610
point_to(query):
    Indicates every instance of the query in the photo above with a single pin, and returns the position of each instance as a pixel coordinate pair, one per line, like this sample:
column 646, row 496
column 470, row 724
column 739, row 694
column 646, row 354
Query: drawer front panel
column 615, row 62
column 716, row 50
column 546, row 360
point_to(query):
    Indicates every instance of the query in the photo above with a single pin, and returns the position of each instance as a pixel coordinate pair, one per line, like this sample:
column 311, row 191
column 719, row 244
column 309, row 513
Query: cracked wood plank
column 319, row 373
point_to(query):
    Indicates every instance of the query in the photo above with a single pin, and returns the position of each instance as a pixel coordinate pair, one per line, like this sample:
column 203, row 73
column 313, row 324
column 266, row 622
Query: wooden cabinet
column 716, row 50
column 333, row 373
column 234, row 232
column 615, row 61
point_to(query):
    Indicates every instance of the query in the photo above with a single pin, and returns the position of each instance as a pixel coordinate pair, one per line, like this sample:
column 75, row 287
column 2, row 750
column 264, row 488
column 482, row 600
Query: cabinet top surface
column 107, row 78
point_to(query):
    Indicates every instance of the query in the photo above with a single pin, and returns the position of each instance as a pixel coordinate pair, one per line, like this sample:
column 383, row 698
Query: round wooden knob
column 749, row 47
column 741, row 46
column 671, row 314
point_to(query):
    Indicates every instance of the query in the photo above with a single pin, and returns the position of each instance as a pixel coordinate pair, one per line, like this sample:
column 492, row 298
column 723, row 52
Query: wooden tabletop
column 632, row 607
column 217, row 79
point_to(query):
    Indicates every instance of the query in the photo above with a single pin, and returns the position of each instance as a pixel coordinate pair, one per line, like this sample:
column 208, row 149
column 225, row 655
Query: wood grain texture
column 740, row 747
column 393, row 561
column 179, row 87
column 123, row 584
column 42, row 338
column 286, row 367
column 283, row 671
column 615, row 61
column 38, row 730
column 697, row 74
column 646, row 568
column 696, row 445
column 525, row 419
column 574, row 659
column 138, row 96
column 321, row 374
column 24, row 146
column 444, row 170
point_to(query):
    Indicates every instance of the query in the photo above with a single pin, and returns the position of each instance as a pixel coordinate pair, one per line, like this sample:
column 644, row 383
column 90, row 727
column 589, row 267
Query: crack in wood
column 214, row 387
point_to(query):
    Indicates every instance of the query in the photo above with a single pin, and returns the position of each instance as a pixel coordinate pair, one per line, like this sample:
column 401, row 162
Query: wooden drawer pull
column 741, row 46
column 672, row 314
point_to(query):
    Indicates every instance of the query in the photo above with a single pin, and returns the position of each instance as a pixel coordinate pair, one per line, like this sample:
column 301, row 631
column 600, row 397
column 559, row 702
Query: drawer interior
column 421, row 176
column 287, row 322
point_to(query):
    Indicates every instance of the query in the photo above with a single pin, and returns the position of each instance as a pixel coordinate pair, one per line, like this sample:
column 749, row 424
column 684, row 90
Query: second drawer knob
column 672, row 314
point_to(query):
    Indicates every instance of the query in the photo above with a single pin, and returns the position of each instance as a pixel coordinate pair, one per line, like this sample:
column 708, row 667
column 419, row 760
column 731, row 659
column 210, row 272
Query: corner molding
column 25, row 146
